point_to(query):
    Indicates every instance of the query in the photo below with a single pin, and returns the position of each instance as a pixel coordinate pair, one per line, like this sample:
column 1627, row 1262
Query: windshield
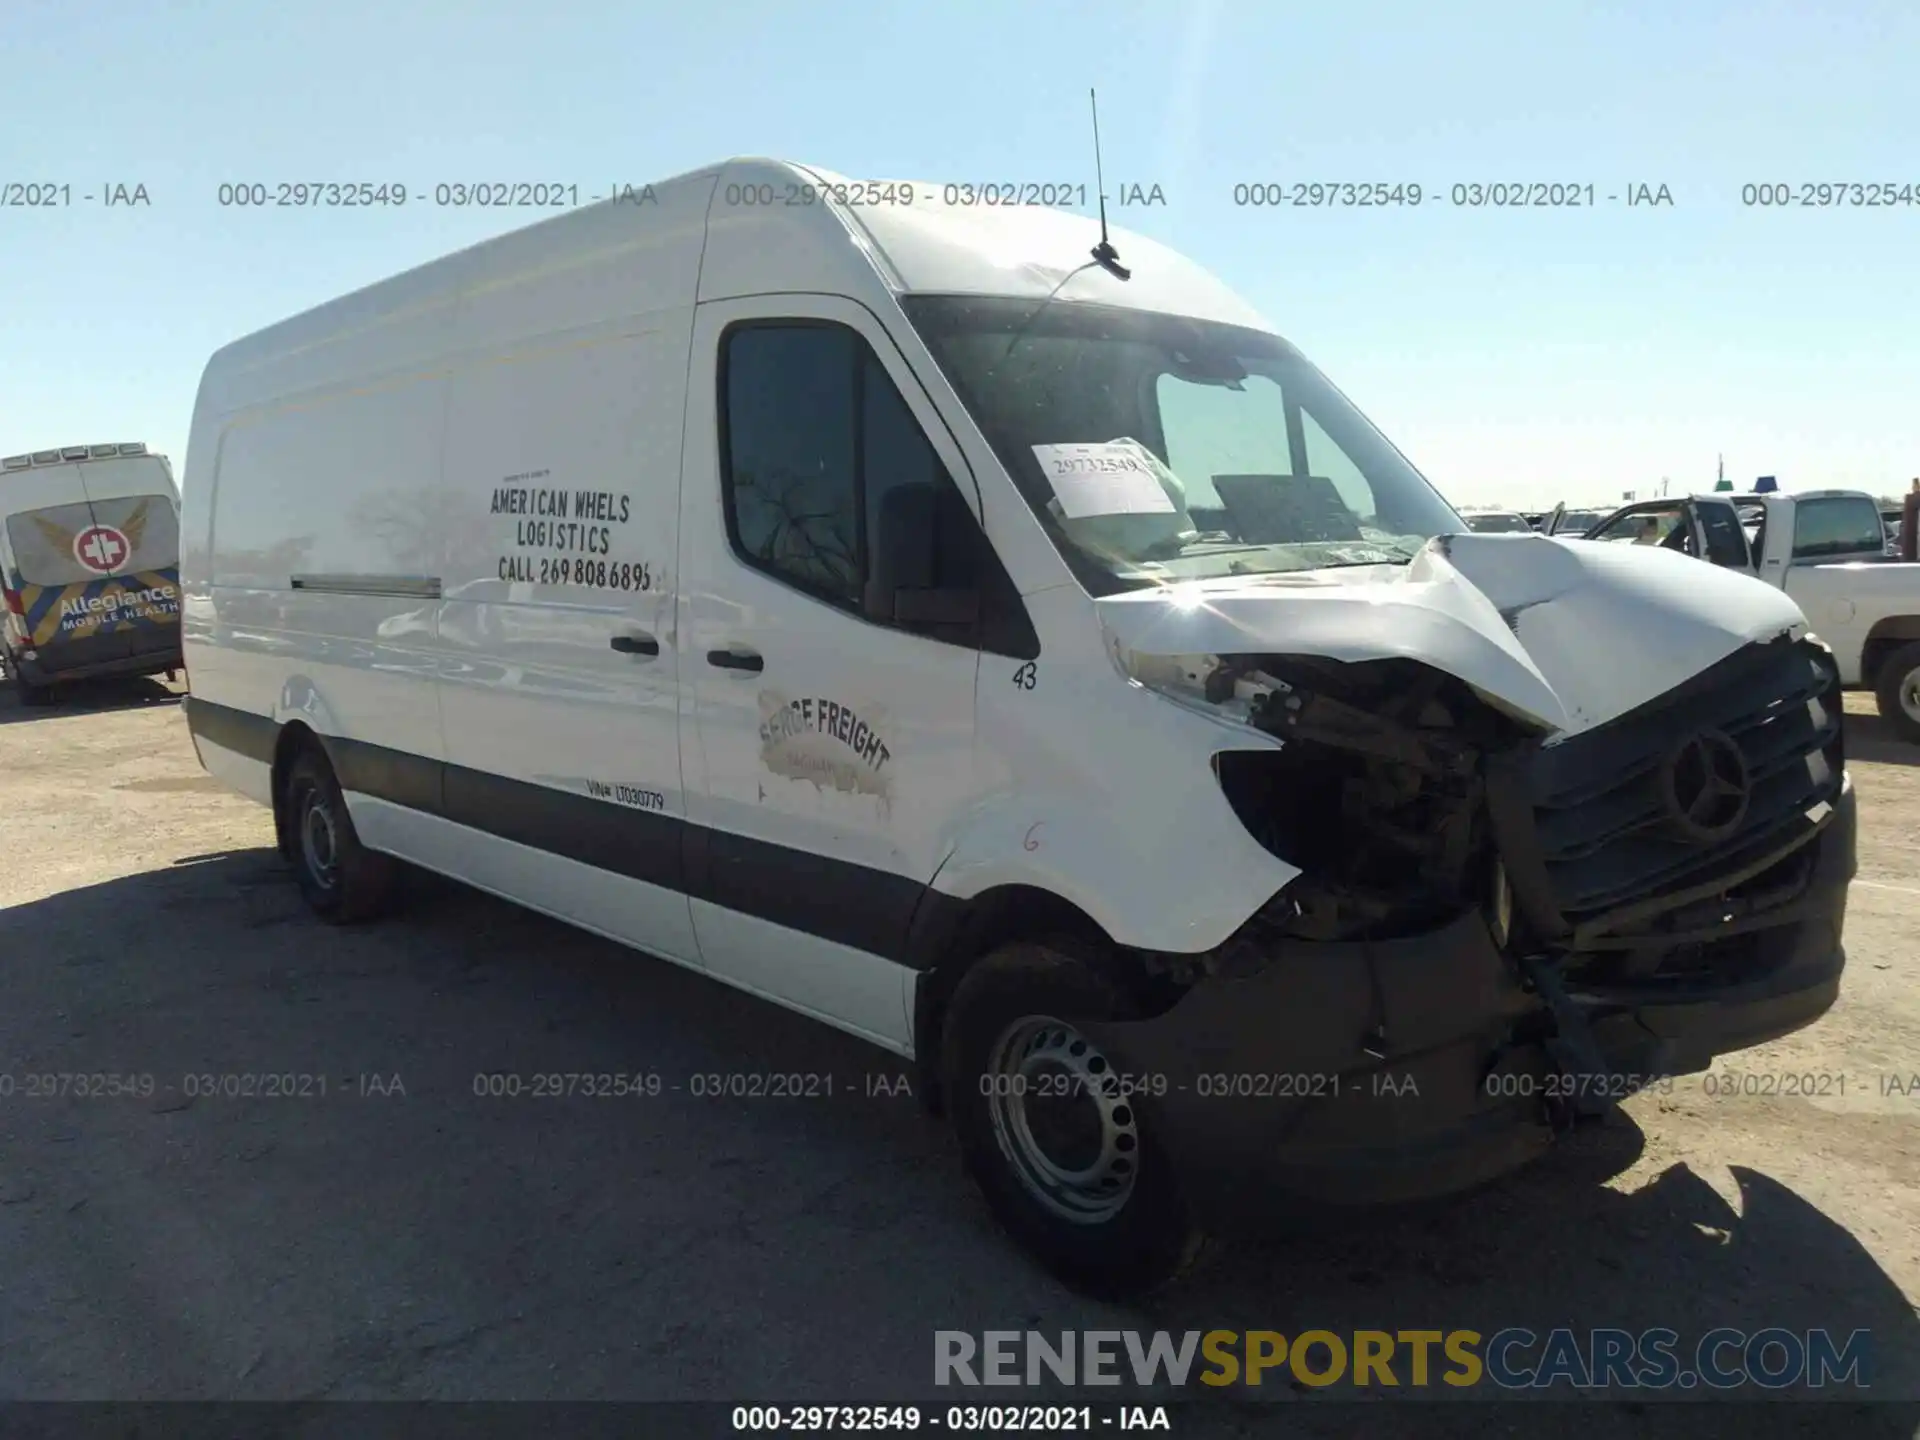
column 1156, row 448
column 1498, row 524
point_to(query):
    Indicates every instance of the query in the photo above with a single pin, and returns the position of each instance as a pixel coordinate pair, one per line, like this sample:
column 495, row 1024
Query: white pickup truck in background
column 1828, row 550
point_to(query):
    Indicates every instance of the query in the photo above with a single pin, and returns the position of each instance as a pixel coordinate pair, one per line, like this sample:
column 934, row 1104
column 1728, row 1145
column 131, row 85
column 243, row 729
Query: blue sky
column 1517, row 356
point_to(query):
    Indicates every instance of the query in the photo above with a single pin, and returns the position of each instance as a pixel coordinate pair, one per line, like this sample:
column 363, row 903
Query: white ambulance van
column 1018, row 655
column 89, row 566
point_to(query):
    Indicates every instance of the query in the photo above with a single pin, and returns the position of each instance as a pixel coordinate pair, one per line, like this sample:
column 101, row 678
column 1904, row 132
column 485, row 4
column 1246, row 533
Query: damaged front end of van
column 1567, row 823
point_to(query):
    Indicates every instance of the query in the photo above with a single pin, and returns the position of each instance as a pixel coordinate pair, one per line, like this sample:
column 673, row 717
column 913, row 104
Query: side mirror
column 901, row 569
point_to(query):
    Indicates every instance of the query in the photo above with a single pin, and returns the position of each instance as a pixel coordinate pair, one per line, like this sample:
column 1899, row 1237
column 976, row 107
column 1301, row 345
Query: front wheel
column 1898, row 692
column 1063, row 1156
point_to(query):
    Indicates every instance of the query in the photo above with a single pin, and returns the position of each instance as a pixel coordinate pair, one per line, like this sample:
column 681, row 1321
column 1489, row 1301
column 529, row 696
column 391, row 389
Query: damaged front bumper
column 1375, row 1072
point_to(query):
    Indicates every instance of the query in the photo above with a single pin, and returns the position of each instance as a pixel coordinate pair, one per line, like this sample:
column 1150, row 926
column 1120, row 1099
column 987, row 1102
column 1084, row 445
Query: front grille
column 1601, row 823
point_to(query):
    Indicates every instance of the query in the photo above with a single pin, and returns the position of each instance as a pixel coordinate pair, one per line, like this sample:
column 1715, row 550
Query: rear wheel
column 1898, row 692
column 1062, row 1154
column 340, row 878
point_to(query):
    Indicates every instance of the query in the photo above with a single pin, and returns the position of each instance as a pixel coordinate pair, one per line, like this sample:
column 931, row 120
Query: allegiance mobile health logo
column 1512, row 1359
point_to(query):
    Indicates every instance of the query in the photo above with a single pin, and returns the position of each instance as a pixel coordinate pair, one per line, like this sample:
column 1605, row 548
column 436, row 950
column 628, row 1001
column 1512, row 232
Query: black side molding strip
column 398, row 776
column 636, row 843
column 819, row 895
column 240, row 731
column 832, row 899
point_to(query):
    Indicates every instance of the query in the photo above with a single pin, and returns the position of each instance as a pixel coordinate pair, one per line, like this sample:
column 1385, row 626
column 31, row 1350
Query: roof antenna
column 1107, row 257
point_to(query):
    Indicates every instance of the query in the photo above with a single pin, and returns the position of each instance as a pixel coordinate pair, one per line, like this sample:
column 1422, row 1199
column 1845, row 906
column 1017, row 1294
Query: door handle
column 735, row 659
column 635, row 644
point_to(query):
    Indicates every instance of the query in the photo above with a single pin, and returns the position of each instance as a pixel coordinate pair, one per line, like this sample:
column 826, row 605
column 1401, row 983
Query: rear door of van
column 136, row 537
column 98, row 580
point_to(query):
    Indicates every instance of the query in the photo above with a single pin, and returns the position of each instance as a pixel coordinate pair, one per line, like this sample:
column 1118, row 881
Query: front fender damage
column 1414, row 1014
column 1346, row 1073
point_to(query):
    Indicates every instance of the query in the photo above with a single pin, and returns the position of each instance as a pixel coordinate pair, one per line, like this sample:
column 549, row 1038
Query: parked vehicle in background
column 1573, row 522
column 1828, row 550
column 1485, row 521
column 89, row 566
column 1027, row 662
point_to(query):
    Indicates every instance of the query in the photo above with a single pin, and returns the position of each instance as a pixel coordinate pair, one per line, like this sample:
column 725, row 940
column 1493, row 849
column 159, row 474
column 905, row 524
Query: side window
column 933, row 535
column 830, row 486
column 791, row 447
column 1655, row 525
column 1838, row 525
column 1622, row 528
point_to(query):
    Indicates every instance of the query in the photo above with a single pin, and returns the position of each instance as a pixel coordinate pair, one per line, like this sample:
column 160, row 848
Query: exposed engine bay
column 1532, row 863
column 1433, row 830
column 1406, row 800
column 1378, row 795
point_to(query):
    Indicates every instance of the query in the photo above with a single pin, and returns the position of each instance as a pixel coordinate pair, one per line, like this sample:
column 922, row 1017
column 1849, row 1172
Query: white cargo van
column 89, row 566
column 894, row 610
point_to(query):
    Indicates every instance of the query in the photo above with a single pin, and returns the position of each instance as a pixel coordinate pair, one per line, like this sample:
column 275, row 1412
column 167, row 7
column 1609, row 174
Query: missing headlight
column 1376, row 796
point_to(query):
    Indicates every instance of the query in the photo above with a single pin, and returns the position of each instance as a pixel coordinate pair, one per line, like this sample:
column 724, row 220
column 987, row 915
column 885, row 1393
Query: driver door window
column 1664, row 525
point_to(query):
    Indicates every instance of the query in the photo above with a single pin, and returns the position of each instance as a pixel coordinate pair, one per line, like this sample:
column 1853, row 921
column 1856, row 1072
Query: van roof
column 73, row 454
column 755, row 226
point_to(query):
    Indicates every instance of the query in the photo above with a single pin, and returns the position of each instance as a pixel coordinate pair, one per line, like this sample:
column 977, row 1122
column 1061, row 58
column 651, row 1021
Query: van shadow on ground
column 449, row 1246
column 88, row 697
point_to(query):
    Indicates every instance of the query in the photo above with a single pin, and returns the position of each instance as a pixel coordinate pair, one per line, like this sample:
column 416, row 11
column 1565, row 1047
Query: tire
column 341, row 880
column 1898, row 692
column 1015, row 1007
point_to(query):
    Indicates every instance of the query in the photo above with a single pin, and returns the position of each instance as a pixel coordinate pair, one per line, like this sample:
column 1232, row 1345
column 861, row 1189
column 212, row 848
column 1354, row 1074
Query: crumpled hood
column 1568, row 633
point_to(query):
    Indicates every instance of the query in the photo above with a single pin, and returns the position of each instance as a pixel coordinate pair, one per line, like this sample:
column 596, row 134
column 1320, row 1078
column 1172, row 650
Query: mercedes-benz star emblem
column 1706, row 787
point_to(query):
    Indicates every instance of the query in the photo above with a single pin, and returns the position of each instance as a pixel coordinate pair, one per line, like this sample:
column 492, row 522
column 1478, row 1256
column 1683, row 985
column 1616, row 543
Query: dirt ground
column 439, row 1244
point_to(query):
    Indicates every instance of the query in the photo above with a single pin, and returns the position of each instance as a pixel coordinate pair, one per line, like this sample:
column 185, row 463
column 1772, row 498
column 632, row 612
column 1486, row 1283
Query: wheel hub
column 1062, row 1120
column 319, row 845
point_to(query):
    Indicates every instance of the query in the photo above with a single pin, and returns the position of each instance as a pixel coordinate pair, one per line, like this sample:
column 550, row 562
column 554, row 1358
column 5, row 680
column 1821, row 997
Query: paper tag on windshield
column 1103, row 479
